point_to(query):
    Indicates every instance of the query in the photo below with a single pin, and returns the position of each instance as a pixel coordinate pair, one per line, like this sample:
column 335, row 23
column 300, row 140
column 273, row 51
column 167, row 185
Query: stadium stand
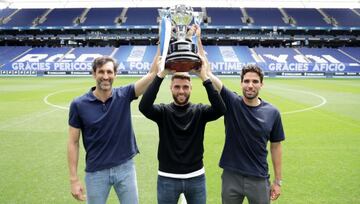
column 225, row 16
column 10, row 53
column 102, row 16
column 266, row 16
column 307, row 17
column 322, row 42
column 49, row 54
column 97, row 50
column 5, row 14
column 343, row 17
column 330, row 54
column 141, row 16
column 351, row 51
column 25, row 17
column 273, row 55
column 62, row 17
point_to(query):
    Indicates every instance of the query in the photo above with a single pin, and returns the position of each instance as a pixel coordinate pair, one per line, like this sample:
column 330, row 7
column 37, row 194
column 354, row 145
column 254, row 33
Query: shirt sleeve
column 227, row 96
column 146, row 105
column 217, row 108
column 130, row 89
column 277, row 133
column 74, row 117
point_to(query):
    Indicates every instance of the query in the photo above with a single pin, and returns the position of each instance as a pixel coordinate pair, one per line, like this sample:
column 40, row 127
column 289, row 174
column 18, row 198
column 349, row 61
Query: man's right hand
column 77, row 190
column 202, row 71
column 165, row 72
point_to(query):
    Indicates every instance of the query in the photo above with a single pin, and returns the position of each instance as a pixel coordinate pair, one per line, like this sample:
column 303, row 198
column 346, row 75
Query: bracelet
column 278, row 182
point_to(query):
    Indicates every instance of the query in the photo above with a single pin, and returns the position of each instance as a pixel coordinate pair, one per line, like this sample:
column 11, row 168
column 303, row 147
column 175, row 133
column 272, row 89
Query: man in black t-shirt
column 181, row 133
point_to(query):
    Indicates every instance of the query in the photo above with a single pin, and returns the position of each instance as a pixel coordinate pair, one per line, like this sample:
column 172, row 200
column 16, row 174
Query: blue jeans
column 121, row 177
column 169, row 190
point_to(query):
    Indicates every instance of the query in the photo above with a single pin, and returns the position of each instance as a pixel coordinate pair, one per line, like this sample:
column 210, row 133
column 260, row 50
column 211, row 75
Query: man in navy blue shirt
column 250, row 123
column 103, row 117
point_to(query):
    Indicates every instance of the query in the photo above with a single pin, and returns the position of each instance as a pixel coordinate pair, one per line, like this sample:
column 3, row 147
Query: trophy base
column 182, row 61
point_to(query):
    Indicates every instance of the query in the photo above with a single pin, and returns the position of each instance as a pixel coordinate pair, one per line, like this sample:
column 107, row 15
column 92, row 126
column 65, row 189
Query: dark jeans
column 235, row 187
column 169, row 190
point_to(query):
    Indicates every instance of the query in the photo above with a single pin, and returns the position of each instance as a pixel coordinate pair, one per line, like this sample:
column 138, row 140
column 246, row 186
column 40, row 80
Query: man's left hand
column 275, row 192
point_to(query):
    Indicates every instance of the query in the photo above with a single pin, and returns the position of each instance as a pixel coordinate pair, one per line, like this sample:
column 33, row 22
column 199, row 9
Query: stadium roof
column 167, row 3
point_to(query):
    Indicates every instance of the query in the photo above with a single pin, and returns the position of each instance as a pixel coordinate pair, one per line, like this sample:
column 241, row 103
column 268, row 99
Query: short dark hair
column 100, row 61
column 252, row 68
column 181, row 75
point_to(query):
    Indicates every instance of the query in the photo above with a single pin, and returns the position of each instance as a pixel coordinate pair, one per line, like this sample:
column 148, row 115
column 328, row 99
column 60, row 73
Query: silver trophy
column 181, row 55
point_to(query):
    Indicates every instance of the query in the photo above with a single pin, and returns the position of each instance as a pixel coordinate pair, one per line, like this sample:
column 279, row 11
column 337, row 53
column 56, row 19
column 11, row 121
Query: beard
column 250, row 96
column 180, row 102
column 104, row 85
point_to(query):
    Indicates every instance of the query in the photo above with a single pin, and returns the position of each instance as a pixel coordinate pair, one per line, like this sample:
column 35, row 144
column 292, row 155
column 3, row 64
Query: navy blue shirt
column 248, row 129
column 106, row 128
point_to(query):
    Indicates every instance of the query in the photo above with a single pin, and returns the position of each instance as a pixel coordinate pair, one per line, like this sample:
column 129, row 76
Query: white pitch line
column 323, row 101
column 46, row 101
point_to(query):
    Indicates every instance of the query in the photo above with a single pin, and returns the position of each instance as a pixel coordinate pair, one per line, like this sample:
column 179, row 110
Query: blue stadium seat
column 354, row 52
column 6, row 12
column 266, row 16
column 62, row 17
column 266, row 51
column 8, row 53
column 25, row 17
column 307, row 17
column 50, row 52
column 344, row 17
column 335, row 53
column 95, row 50
column 102, row 16
column 141, row 16
column 225, row 16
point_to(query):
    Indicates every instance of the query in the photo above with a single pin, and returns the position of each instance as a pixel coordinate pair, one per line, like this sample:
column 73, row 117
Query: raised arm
column 146, row 105
column 201, row 51
column 217, row 107
column 142, row 84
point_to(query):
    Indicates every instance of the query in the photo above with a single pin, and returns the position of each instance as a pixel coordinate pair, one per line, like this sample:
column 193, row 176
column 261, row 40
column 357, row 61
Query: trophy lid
column 182, row 15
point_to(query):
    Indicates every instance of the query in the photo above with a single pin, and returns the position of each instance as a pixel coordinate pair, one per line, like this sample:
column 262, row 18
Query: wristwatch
column 278, row 182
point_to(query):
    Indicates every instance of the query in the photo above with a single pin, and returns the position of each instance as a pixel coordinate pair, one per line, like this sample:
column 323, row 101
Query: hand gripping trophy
column 180, row 55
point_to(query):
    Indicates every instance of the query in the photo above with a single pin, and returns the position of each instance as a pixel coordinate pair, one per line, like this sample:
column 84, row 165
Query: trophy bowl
column 181, row 55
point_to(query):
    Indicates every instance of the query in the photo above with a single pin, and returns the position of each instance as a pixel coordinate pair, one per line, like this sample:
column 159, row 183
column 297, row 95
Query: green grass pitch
column 321, row 153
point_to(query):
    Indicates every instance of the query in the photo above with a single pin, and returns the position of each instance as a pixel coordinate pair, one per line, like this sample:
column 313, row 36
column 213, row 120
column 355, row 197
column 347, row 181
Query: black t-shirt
column 181, row 128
